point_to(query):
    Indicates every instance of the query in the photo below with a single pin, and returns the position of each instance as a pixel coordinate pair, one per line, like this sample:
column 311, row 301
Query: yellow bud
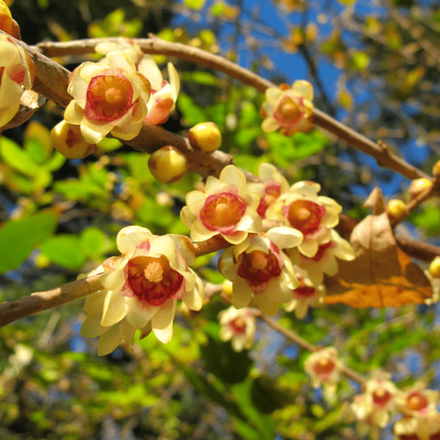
column 434, row 267
column 168, row 164
column 67, row 139
column 205, row 136
column 227, row 288
column 396, row 209
column 436, row 169
column 418, row 186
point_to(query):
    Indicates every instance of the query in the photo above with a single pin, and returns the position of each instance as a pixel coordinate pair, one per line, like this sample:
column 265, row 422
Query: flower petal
column 114, row 308
column 162, row 321
column 109, row 340
column 131, row 236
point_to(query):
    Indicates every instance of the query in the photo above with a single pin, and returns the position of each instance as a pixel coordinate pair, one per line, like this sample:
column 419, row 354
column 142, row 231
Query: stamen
column 113, row 95
column 259, row 260
column 154, row 272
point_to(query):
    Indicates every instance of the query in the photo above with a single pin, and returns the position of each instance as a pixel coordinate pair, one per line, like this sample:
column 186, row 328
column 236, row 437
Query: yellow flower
column 306, row 295
column 313, row 215
column 163, row 93
column 289, row 109
column 7, row 23
column 142, row 289
column 238, row 326
column 272, row 185
column 260, row 270
column 324, row 368
column 17, row 73
column 225, row 208
column 109, row 97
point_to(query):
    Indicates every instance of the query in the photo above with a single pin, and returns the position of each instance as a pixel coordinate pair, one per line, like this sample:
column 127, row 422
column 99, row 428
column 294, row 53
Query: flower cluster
column 115, row 95
column 288, row 108
column 381, row 400
column 286, row 263
column 141, row 289
column 17, row 73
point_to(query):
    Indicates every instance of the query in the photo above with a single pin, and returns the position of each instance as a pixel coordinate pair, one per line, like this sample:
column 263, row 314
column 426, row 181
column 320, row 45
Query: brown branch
column 39, row 301
column 155, row 45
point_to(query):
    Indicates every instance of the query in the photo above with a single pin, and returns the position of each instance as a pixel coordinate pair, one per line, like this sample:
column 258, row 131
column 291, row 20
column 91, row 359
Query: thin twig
column 155, row 45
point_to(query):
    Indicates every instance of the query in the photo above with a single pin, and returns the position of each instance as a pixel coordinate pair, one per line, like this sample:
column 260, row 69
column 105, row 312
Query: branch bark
column 157, row 46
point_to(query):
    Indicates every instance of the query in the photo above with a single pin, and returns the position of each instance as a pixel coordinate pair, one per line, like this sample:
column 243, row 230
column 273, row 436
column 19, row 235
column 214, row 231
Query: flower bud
column 168, row 164
column 67, row 139
column 205, row 136
column 436, row 169
column 434, row 267
column 7, row 23
column 418, row 186
column 396, row 209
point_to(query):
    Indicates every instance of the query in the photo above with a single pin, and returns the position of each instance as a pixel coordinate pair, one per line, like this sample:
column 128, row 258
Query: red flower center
column 151, row 280
column 222, row 212
column 257, row 268
column 303, row 291
column 417, row 401
column 409, row 437
column 323, row 366
column 321, row 250
column 381, row 396
column 272, row 191
column 304, row 215
column 238, row 325
column 288, row 112
column 109, row 96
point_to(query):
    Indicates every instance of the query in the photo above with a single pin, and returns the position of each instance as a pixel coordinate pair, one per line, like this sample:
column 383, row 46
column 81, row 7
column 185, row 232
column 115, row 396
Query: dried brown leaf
column 381, row 275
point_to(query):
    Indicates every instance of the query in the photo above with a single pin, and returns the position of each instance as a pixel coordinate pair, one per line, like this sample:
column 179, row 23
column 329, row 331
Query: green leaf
column 93, row 242
column 64, row 250
column 194, row 4
column 360, row 61
column 204, row 78
column 192, row 113
column 37, row 142
column 221, row 360
column 19, row 237
column 17, row 158
column 267, row 397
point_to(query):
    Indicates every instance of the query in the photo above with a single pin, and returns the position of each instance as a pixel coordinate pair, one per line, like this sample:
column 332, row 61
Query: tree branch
column 157, row 46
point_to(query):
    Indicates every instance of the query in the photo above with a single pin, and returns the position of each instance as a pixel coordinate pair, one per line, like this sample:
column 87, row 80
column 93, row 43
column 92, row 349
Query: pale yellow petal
column 109, row 341
column 162, row 321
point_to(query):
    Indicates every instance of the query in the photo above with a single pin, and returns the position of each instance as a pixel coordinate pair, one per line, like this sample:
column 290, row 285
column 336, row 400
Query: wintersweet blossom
column 121, row 45
column 17, row 73
column 324, row 368
column 109, row 97
column 142, row 289
column 305, row 295
column 324, row 261
column 163, row 93
column 417, row 401
column 260, row 270
column 7, row 23
column 225, row 208
column 272, row 185
column 416, row 428
column 289, row 109
column 311, row 214
column 238, row 326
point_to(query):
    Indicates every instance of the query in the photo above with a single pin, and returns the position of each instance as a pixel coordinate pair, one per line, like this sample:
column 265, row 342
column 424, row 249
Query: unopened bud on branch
column 168, row 164
column 67, row 139
column 205, row 136
column 418, row 186
column 434, row 267
column 396, row 209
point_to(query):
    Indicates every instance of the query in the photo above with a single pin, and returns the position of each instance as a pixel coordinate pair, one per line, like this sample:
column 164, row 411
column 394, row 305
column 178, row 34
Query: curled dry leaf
column 381, row 275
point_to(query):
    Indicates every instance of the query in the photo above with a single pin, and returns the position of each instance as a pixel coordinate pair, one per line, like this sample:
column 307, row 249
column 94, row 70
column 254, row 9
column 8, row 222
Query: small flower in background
column 238, row 326
column 272, row 185
column 109, row 97
column 163, row 93
column 324, row 261
column 260, row 270
column 225, row 208
column 142, row 289
column 313, row 215
column 17, row 73
column 121, row 45
column 417, row 401
column 324, row 368
column 288, row 109
column 306, row 295
column 7, row 23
